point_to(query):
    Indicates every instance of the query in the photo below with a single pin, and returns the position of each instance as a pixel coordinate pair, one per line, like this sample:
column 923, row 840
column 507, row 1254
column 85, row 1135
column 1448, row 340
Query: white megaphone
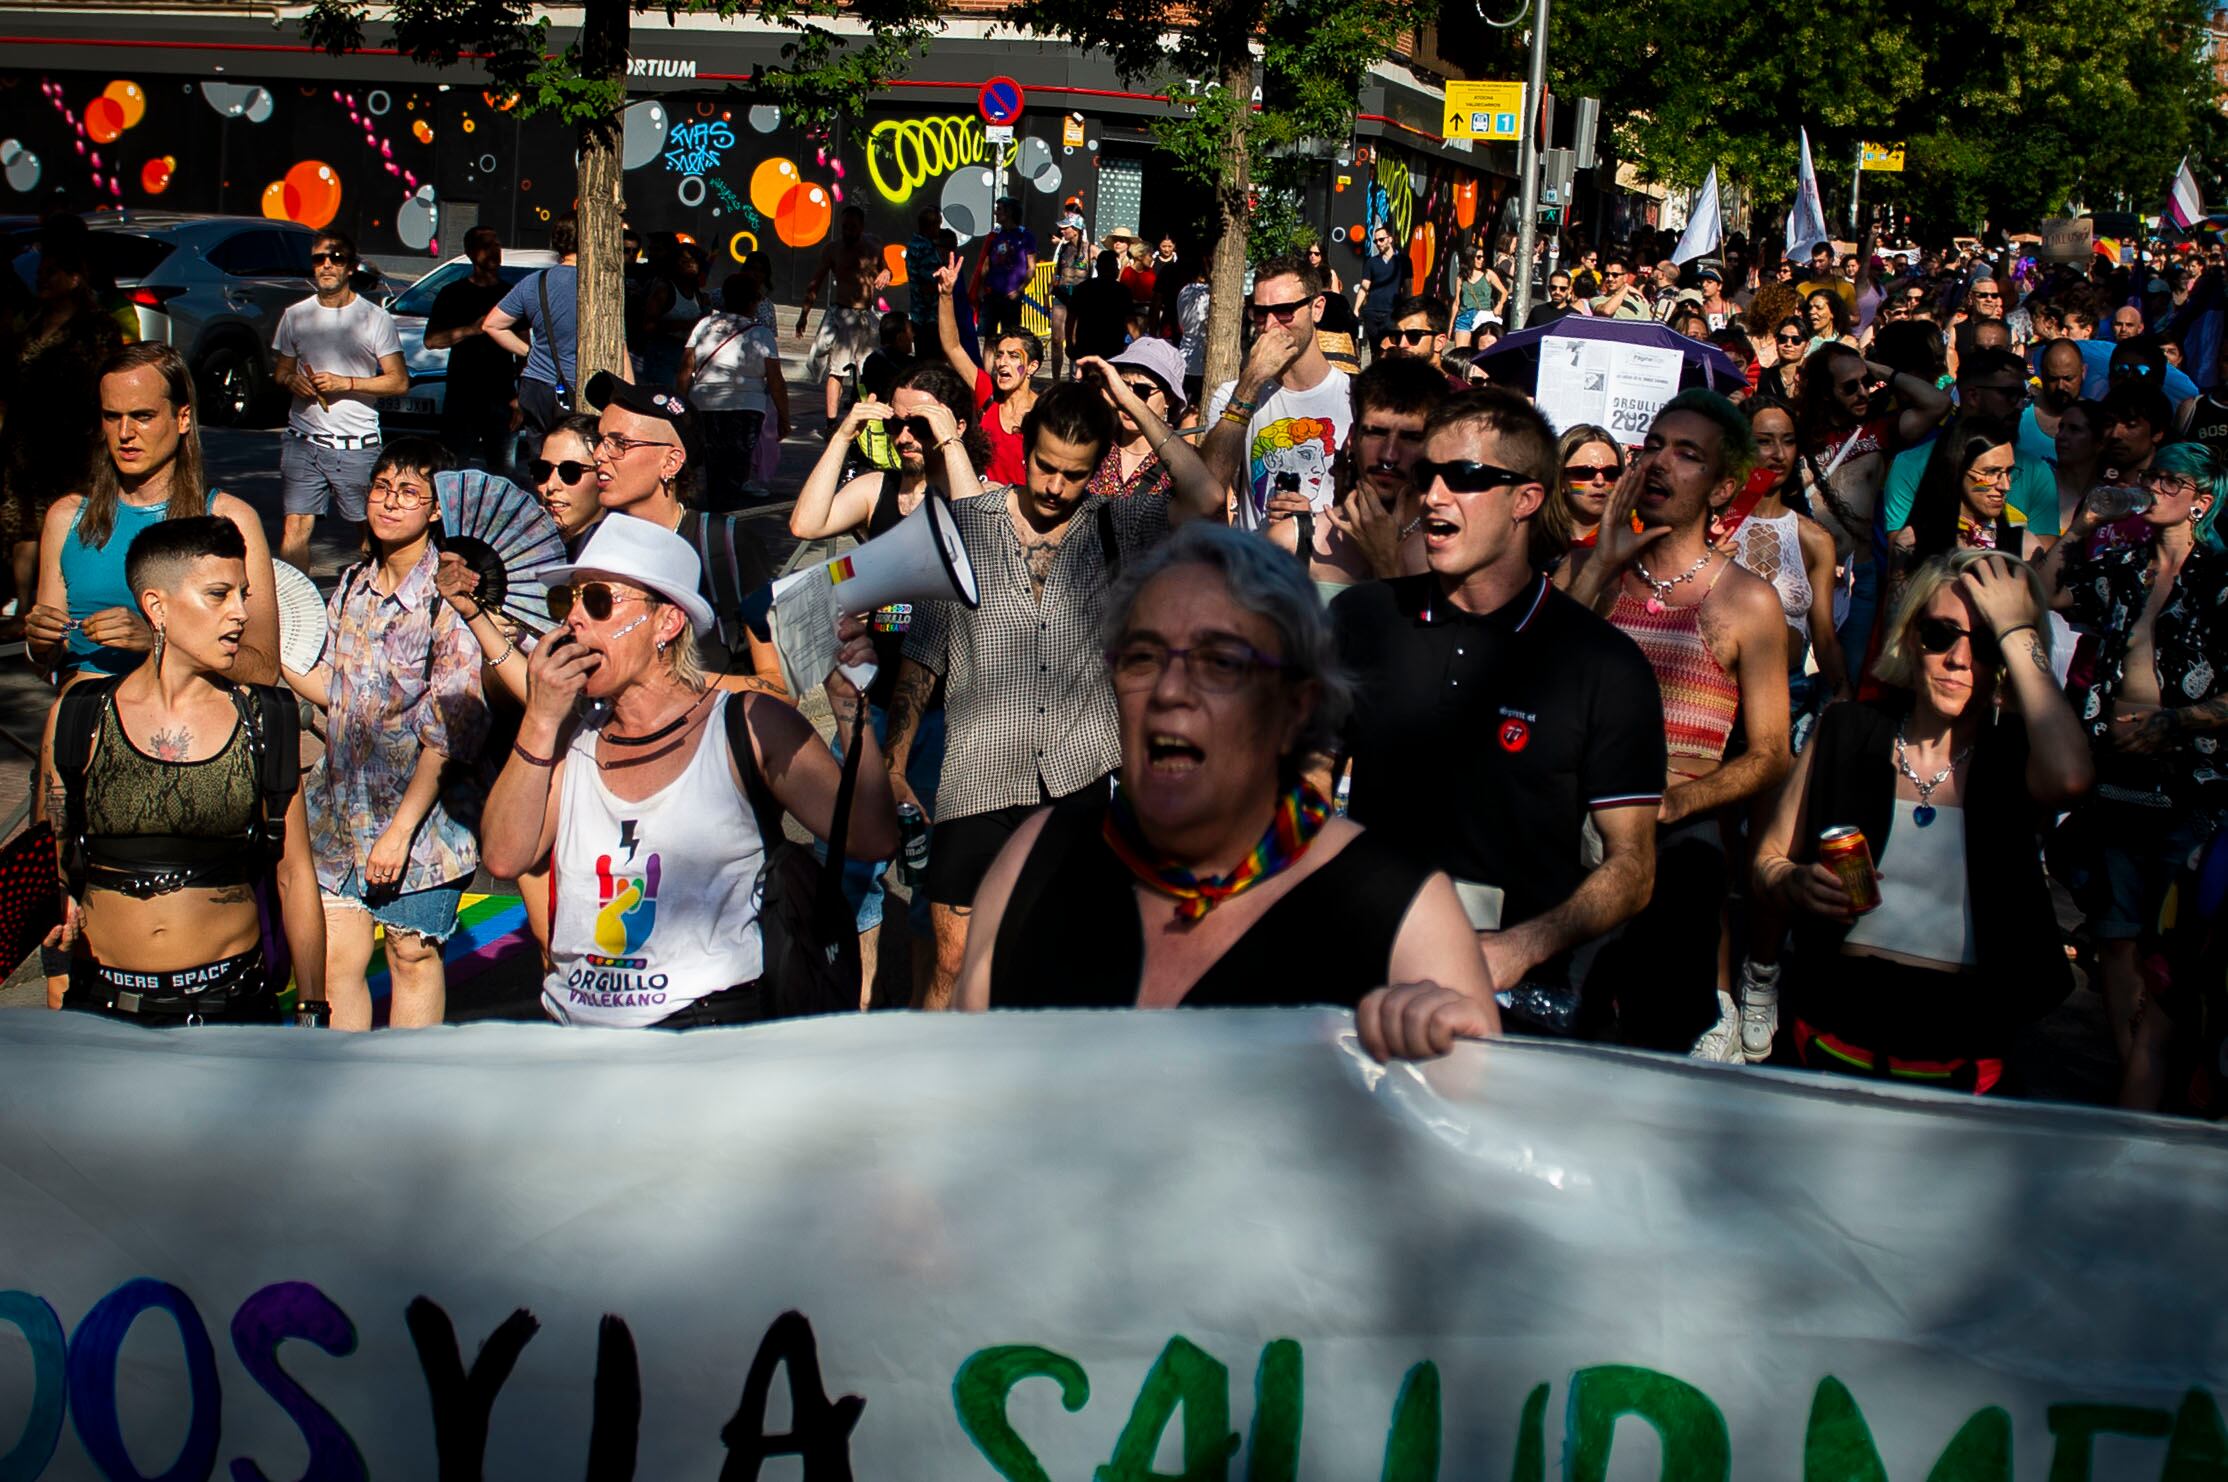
column 921, row 560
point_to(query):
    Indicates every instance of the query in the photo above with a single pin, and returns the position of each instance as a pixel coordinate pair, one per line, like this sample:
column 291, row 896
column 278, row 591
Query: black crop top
column 1072, row 937
column 153, row 826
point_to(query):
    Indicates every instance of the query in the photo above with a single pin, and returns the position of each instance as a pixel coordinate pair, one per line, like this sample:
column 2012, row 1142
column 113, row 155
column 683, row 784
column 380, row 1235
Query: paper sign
column 952, row 1248
column 1071, row 131
column 806, row 605
column 1617, row 386
column 1484, row 110
column 997, row 133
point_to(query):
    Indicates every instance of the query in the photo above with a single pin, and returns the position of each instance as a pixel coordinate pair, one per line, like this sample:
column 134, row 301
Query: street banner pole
column 1528, row 156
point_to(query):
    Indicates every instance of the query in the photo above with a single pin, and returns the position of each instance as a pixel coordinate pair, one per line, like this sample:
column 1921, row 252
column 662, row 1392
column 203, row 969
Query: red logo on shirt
column 1515, row 735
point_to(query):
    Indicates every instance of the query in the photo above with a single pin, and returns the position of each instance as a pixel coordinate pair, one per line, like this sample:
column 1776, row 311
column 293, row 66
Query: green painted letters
column 1184, row 1375
column 1531, row 1439
column 1273, row 1447
column 1412, row 1446
column 1838, row 1446
column 1695, row 1446
column 2073, row 1427
column 2198, row 1451
column 979, row 1392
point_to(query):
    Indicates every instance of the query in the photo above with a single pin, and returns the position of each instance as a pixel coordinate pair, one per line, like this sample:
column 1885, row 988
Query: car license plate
column 409, row 406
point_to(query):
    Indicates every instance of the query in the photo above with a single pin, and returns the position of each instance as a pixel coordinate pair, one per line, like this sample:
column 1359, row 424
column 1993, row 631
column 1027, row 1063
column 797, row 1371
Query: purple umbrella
column 1706, row 364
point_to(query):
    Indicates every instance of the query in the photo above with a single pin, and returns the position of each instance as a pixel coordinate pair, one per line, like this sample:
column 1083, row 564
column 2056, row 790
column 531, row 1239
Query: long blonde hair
column 188, row 491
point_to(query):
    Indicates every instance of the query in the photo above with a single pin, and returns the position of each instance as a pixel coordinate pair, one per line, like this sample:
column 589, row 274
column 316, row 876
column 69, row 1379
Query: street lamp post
column 1528, row 162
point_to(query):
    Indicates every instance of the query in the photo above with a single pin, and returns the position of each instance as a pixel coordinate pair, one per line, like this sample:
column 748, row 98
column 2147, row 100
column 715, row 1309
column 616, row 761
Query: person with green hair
column 2153, row 589
column 1716, row 638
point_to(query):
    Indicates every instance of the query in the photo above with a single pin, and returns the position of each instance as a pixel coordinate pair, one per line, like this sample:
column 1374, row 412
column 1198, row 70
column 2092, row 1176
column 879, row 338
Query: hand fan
column 504, row 534
column 301, row 615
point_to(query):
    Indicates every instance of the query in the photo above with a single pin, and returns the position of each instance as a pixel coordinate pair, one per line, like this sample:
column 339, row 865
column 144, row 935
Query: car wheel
column 232, row 385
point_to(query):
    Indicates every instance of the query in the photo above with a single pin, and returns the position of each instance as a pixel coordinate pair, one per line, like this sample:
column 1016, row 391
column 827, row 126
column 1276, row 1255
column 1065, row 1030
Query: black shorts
column 960, row 850
column 237, row 990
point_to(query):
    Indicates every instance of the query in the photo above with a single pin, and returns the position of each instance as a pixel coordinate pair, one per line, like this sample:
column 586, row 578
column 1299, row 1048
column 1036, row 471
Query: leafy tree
column 823, row 75
column 2011, row 109
column 1202, row 56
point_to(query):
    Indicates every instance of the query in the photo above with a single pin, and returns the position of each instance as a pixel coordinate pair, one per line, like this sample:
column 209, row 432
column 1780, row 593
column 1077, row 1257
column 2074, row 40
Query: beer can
column 1845, row 851
column 912, row 831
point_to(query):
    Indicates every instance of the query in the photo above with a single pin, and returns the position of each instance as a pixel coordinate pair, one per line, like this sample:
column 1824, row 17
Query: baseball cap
column 1160, row 360
column 607, row 390
column 650, row 556
column 1072, row 220
column 1711, row 272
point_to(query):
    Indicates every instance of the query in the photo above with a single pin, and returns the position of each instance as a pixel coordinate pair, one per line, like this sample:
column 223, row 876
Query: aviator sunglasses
column 596, row 598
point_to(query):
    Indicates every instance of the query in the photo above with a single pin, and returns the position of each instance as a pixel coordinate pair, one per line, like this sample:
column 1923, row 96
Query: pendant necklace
column 1660, row 591
column 1926, row 812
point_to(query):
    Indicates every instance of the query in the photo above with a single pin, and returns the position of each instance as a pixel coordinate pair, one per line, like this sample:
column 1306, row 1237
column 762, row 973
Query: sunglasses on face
column 1590, row 473
column 1940, row 635
column 918, row 426
column 1410, row 336
column 1282, row 313
column 596, row 598
column 1463, row 475
column 340, row 257
column 1790, row 339
column 1143, row 390
column 569, row 471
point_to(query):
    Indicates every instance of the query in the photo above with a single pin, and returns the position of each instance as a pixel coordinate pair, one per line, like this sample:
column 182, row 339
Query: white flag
column 1705, row 228
column 1806, row 221
column 2187, row 203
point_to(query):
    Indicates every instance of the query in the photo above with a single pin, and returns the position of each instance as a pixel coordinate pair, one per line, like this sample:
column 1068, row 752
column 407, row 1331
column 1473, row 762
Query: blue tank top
column 95, row 579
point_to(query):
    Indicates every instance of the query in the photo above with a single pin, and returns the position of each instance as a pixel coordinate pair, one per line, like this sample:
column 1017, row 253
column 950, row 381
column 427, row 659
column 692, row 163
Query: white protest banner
column 1120, row 1247
column 1607, row 383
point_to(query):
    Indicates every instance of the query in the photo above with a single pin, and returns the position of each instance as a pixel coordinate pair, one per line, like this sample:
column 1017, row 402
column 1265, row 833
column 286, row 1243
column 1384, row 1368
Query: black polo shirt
column 1481, row 741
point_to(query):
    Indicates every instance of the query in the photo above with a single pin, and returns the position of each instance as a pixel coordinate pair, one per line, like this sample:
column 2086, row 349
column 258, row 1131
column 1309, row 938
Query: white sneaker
column 1722, row 1041
column 1759, row 1010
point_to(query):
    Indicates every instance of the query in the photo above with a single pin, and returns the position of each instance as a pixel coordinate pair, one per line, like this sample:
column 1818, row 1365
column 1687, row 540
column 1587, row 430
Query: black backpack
column 809, row 935
column 271, row 718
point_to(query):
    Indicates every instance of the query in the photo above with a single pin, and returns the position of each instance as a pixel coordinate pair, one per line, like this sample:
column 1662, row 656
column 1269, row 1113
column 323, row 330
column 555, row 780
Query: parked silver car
column 420, row 406
column 214, row 286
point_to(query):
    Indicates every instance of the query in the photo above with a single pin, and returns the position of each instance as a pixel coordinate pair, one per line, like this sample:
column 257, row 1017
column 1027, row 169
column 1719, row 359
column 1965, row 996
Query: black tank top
column 889, row 623
column 1071, row 936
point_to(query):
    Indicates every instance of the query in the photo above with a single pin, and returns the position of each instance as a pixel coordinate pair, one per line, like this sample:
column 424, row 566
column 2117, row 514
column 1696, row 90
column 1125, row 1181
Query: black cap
column 607, row 390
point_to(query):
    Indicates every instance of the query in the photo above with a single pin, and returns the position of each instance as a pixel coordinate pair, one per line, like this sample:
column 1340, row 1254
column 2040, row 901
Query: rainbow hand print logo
column 626, row 909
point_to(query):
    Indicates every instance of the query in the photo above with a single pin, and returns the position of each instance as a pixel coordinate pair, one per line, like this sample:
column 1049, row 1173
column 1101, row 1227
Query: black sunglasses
column 1409, row 336
column 1463, row 476
column 596, row 598
column 1940, row 635
column 570, row 471
column 1144, row 390
column 1591, row 473
column 339, row 257
column 1262, row 313
column 918, row 426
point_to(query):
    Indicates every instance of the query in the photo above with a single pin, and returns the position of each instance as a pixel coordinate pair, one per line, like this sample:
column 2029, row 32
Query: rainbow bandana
column 1300, row 816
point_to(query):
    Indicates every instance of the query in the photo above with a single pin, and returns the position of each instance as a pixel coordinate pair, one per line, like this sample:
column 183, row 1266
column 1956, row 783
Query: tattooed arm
column 2059, row 768
column 915, row 683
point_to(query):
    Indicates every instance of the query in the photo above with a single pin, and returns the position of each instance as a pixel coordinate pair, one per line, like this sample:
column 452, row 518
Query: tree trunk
column 602, row 303
column 1226, row 301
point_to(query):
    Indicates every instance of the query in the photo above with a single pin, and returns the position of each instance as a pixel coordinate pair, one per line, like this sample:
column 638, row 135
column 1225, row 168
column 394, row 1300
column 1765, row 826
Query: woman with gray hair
column 1215, row 876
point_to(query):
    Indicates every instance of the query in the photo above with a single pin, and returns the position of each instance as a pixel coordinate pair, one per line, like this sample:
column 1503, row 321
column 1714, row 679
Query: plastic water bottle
column 2109, row 502
column 912, row 833
column 1342, row 792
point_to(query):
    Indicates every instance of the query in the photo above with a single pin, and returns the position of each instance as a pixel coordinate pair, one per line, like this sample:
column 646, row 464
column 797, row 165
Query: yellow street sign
column 1484, row 110
column 1888, row 157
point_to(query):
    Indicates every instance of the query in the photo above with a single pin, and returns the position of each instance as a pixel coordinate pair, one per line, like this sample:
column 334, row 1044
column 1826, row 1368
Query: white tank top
column 1773, row 549
column 657, row 900
column 1925, row 910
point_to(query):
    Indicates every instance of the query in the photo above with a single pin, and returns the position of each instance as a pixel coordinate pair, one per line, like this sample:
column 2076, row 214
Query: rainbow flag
column 489, row 928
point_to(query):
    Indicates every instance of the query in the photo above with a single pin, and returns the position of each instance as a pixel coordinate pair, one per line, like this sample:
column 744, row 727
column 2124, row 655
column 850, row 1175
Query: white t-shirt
column 731, row 357
column 1292, row 432
column 347, row 341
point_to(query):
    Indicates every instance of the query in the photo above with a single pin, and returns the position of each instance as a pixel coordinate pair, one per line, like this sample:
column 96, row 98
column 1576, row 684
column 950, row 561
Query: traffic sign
column 997, row 133
column 999, row 102
column 1888, row 157
column 1484, row 110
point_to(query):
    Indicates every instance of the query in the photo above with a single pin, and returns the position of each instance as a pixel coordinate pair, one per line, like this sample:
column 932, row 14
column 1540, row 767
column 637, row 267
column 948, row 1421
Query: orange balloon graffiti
column 104, row 120
column 1466, row 204
column 423, row 131
column 130, row 97
column 154, row 176
column 804, row 215
column 770, row 182
column 1422, row 250
column 310, row 194
column 893, row 258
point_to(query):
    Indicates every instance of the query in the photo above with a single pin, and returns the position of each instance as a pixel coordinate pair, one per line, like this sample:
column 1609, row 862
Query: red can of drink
column 1845, row 851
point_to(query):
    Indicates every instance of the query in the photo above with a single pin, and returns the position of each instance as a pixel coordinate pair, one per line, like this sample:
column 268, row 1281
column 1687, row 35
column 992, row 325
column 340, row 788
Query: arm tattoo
column 2041, row 659
column 173, row 744
column 914, row 682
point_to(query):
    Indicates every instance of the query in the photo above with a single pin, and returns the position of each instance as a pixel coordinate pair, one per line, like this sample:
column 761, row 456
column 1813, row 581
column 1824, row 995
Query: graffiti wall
column 1431, row 204
column 406, row 168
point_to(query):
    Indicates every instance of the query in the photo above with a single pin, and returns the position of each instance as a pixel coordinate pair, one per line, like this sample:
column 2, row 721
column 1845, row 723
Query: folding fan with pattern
column 504, row 534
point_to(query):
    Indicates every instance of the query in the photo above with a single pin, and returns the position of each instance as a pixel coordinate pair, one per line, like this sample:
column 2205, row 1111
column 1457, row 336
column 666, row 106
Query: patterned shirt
column 1152, row 477
column 2110, row 587
column 402, row 673
column 1026, row 697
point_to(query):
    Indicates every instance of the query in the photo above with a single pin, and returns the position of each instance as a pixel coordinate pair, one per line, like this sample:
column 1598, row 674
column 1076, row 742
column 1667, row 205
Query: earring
column 662, row 645
column 160, row 640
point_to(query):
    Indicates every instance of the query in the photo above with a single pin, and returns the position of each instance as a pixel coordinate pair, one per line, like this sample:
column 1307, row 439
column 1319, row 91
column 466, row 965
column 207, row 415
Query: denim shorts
column 2144, row 849
column 862, row 879
column 318, row 480
column 426, row 913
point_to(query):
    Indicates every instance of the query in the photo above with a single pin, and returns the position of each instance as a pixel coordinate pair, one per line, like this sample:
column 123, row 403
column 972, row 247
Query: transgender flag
column 2184, row 205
